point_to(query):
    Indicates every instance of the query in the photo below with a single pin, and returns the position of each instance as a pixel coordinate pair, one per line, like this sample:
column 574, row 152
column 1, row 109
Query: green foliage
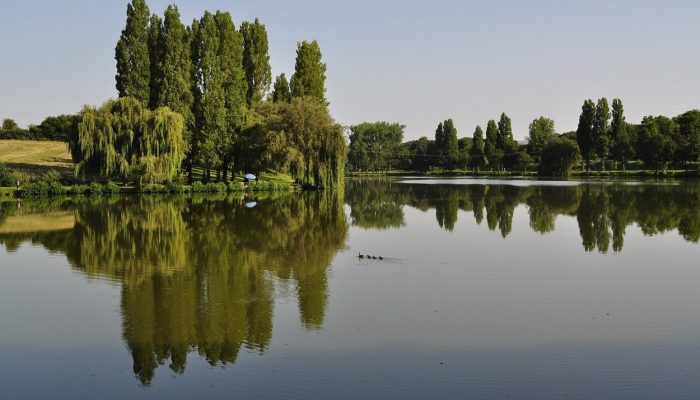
column 112, row 188
column 9, row 124
column 51, row 176
column 235, row 187
column 215, row 187
column 123, row 138
column 559, row 157
column 299, row 138
column 450, row 148
column 478, row 159
column 309, row 79
column 541, row 133
column 133, row 60
column 154, row 188
column 601, row 129
column 622, row 145
column 59, row 128
column 281, row 91
column 197, row 187
column 78, row 189
column 584, row 132
column 505, row 142
column 688, row 135
column 36, row 189
column 491, row 145
column 374, row 146
column 156, row 54
column 8, row 177
column 95, row 189
column 174, row 86
column 210, row 98
column 256, row 60
column 56, row 189
column 655, row 145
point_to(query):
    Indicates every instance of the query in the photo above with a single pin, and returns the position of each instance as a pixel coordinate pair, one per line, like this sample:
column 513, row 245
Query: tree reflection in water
column 603, row 211
column 196, row 274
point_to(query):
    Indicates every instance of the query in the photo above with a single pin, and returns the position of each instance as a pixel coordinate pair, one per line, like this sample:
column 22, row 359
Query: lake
column 480, row 289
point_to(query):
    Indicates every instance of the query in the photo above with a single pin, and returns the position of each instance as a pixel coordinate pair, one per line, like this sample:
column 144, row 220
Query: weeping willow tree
column 297, row 137
column 123, row 139
column 103, row 146
column 160, row 149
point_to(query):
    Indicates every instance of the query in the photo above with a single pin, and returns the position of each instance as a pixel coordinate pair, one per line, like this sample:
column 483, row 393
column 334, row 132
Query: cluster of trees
column 378, row 147
column 58, row 128
column 217, row 79
column 603, row 137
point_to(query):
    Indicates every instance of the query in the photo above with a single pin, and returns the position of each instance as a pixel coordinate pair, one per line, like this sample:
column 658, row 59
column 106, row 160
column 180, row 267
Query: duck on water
column 362, row 257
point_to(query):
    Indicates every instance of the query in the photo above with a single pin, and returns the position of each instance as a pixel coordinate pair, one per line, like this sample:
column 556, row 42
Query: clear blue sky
column 414, row 62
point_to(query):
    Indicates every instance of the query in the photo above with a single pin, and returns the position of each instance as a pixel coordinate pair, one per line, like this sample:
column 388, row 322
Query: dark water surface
column 487, row 290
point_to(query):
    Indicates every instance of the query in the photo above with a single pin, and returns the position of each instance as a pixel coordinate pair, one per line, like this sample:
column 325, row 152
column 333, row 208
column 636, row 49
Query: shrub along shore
column 45, row 189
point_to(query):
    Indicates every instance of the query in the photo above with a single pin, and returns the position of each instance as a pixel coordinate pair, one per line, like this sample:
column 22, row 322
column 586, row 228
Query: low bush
column 154, row 188
column 95, row 189
column 174, row 187
column 235, row 187
column 112, row 188
column 8, row 177
column 38, row 188
column 78, row 189
column 197, row 187
column 56, row 189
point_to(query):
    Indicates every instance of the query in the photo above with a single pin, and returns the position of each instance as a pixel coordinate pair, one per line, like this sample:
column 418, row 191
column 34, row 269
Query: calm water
column 487, row 290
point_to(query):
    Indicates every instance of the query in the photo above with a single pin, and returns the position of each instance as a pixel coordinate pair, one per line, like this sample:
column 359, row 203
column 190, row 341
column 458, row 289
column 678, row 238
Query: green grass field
column 36, row 157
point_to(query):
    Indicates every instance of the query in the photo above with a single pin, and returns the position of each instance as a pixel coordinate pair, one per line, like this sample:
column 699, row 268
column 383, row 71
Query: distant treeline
column 602, row 141
column 56, row 128
column 199, row 95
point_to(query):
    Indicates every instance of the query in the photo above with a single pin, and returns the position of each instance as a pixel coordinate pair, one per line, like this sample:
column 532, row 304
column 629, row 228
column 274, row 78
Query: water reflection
column 603, row 211
column 195, row 273
column 199, row 274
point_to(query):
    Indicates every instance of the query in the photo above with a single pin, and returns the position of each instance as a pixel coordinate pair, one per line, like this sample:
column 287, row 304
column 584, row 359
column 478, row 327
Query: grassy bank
column 45, row 168
column 31, row 157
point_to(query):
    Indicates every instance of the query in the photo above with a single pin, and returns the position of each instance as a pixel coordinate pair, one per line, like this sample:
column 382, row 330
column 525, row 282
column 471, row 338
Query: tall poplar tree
column 256, row 60
column 210, row 99
column 601, row 130
column 584, row 132
column 450, row 144
column 505, row 131
column 622, row 149
column 175, row 71
column 234, row 86
column 439, row 145
column 155, row 55
column 505, row 142
column 490, row 147
column 477, row 152
column 309, row 77
column 133, row 61
column 281, row 91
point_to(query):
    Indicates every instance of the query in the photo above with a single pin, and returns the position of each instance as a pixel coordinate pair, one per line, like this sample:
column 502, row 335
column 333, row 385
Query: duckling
column 374, row 257
column 381, row 258
column 360, row 256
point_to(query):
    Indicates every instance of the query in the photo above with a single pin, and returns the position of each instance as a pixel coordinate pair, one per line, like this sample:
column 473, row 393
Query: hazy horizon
column 413, row 62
